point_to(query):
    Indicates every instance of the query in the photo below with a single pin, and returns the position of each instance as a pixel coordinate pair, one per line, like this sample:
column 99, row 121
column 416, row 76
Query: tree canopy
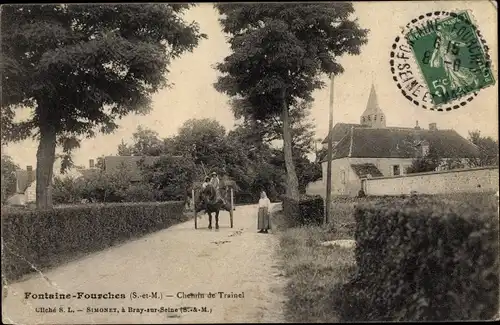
column 82, row 67
column 203, row 145
column 145, row 142
column 488, row 150
column 279, row 54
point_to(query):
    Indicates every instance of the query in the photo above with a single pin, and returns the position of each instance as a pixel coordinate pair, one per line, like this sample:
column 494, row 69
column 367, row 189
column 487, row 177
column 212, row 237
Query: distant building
column 371, row 149
column 26, row 181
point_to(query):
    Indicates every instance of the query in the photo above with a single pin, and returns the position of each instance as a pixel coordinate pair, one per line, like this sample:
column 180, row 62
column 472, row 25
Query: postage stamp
column 451, row 58
column 444, row 54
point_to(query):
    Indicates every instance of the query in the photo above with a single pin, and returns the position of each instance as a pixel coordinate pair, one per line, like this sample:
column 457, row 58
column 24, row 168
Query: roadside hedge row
column 45, row 238
column 424, row 259
column 308, row 210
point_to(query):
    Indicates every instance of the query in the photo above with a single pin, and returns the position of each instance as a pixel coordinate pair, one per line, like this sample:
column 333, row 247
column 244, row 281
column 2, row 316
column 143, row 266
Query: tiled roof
column 340, row 130
column 401, row 143
column 364, row 169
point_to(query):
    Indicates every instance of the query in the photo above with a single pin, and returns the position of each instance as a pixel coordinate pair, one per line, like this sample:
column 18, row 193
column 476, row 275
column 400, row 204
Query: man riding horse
column 211, row 200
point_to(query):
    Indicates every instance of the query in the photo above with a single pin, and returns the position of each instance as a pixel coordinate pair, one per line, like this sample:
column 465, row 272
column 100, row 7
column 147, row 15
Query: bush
column 305, row 211
column 66, row 191
column 171, row 176
column 424, row 259
column 141, row 192
column 40, row 238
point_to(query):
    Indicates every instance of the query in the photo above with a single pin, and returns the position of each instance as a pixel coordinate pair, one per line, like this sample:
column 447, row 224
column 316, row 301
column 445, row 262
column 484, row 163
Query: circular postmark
column 440, row 61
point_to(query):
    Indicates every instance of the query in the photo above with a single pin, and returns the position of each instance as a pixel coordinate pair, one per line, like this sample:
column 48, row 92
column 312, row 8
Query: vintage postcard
column 249, row 162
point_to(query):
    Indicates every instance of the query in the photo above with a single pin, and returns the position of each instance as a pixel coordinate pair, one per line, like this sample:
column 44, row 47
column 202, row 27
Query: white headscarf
column 264, row 202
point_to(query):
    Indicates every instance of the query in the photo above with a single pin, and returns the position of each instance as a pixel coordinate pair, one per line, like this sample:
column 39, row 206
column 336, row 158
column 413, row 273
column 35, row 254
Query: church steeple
column 373, row 115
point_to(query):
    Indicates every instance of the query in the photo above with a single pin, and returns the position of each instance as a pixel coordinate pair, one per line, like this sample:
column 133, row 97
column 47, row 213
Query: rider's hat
column 214, row 173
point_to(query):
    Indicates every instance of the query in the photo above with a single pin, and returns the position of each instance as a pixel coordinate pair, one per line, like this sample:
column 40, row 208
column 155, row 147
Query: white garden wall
column 442, row 182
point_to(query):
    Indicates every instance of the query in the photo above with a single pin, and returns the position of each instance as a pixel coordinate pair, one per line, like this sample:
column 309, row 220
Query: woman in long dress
column 263, row 219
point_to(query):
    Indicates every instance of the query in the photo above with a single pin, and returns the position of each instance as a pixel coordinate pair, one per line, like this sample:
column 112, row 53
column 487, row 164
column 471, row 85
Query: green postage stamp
column 451, row 58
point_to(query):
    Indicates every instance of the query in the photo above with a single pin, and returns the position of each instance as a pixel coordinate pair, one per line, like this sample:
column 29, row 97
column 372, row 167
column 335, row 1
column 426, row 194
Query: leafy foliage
column 96, row 62
column 278, row 46
column 8, row 177
column 308, row 210
column 432, row 161
column 66, row 190
column 488, row 150
column 146, row 142
column 279, row 54
column 403, row 245
column 428, row 163
column 201, row 146
column 254, row 165
column 105, row 186
column 81, row 67
column 171, row 177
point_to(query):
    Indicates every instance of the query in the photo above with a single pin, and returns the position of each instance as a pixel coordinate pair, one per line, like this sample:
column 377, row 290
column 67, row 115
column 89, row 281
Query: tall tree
column 302, row 131
column 145, row 142
column 279, row 54
column 426, row 163
column 203, row 140
column 301, row 126
column 171, row 177
column 488, row 150
column 80, row 67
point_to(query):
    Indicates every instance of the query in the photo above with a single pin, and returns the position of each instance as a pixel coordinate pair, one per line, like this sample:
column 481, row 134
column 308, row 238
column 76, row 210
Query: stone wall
column 451, row 181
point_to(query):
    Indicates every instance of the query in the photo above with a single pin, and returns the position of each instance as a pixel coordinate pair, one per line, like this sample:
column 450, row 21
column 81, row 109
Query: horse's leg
column 209, row 220
column 217, row 219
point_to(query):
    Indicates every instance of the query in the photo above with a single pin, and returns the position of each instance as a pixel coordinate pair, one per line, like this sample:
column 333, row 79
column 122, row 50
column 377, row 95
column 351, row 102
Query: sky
column 193, row 95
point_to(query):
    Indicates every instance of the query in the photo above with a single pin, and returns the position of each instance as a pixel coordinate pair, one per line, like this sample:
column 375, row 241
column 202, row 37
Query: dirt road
column 180, row 264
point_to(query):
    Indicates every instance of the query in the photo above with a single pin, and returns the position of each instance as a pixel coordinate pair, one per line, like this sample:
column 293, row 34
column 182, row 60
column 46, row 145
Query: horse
column 211, row 204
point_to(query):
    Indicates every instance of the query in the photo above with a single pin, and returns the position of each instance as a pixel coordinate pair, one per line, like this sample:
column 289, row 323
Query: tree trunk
column 292, row 182
column 45, row 157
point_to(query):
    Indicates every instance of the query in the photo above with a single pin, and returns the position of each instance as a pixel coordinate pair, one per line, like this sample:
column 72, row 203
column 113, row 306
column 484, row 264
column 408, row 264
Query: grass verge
column 315, row 273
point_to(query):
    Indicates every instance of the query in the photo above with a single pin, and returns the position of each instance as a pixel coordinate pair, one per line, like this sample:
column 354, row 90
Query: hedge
column 42, row 238
column 305, row 211
column 424, row 259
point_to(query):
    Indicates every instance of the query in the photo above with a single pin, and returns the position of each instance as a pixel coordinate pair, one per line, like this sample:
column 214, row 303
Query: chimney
column 433, row 126
column 91, row 163
column 31, row 176
column 416, row 126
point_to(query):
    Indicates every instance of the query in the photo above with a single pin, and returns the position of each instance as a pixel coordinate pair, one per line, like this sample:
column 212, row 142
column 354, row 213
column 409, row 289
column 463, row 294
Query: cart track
column 177, row 259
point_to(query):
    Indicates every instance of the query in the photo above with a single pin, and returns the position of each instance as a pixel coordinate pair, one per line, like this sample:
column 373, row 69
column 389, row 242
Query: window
column 369, row 118
column 382, row 117
column 363, row 119
column 342, row 176
column 374, row 117
column 395, row 170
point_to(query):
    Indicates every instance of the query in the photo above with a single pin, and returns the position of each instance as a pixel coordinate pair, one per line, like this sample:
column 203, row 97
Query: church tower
column 373, row 116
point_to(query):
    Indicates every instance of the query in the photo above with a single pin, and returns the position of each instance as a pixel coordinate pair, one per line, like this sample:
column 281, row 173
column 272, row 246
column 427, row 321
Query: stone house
column 371, row 149
column 26, row 180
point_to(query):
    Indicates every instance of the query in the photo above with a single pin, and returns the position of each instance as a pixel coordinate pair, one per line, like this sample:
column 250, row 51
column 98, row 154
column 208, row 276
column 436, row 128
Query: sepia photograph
column 249, row 162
